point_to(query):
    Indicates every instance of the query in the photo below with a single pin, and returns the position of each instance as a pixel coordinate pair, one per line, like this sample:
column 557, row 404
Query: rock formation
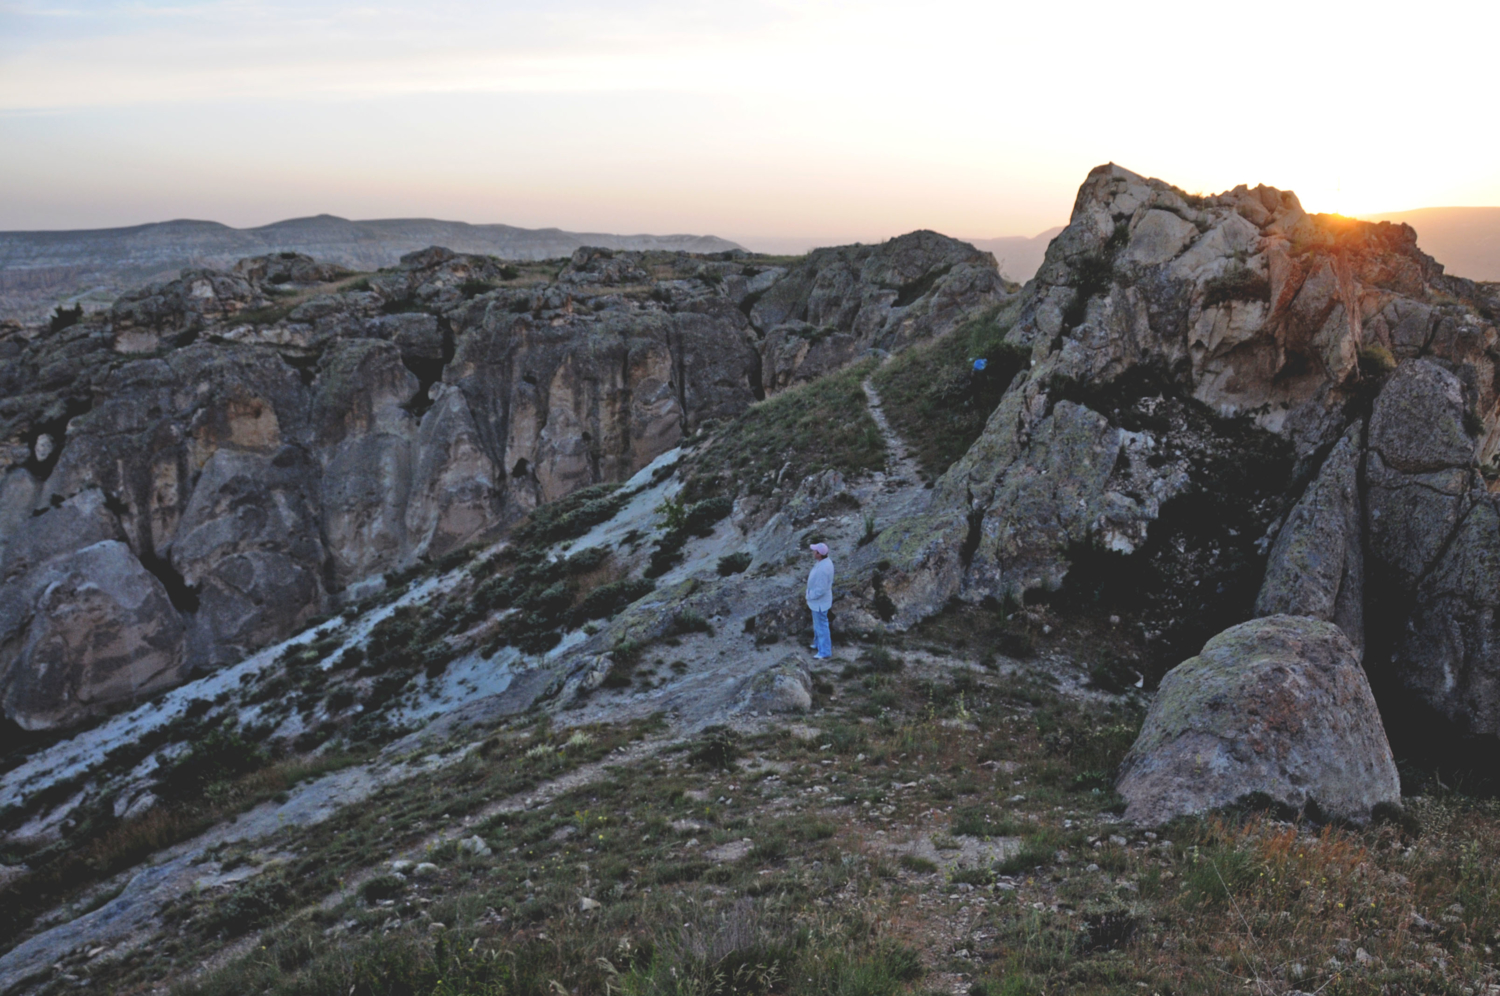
column 838, row 302
column 265, row 443
column 1232, row 408
column 1276, row 707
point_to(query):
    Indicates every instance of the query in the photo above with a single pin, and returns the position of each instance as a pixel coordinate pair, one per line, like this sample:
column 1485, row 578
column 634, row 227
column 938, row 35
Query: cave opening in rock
column 429, row 370
column 45, row 440
column 184, row 597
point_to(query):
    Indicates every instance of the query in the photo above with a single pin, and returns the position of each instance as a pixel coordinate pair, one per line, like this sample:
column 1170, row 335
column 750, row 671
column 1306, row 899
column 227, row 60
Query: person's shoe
column 823, row 657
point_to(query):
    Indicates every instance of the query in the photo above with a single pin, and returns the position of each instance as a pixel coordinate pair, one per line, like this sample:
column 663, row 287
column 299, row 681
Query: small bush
column 701, row 517
column 733, row 563
column 717, row 748
column 607, row 599
column 253, row 904
column 220, row 756
column 588, row 560
column 1035, row 850
column 979, row 821
column 687, row 621
column 1239, row 283
column 882, row 661
column 381, row 887
column 917, row 863
column 65, row 317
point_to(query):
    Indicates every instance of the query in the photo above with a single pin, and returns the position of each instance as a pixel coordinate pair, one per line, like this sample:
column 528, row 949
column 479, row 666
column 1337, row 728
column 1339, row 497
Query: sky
column 752, row 120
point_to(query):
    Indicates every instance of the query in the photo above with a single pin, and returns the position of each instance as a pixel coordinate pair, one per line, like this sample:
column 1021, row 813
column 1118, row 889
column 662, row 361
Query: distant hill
column 41, row 269
column 1466, row 240
column 1019, row 257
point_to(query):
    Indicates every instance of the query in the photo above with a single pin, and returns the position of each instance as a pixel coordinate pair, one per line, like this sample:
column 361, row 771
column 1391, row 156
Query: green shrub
column 917, row 863
column 251, row 905
column 979, row 821
column 701, row 517
column 220, row 756
column 585, row 561
column 687, row 621
column 882, row 661
column 571, row 517
column 608, row 599
column 716, row 748
column 1238, row 283
column 733, row 563
column 65, row 317
column 1035, row 850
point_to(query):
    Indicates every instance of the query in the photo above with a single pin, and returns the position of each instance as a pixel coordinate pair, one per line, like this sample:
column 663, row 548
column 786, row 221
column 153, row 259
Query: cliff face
column 224, row 456
column 1235, row 408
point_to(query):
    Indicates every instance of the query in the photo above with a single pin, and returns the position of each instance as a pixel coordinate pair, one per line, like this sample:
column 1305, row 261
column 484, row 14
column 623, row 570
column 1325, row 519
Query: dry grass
column 910, row 746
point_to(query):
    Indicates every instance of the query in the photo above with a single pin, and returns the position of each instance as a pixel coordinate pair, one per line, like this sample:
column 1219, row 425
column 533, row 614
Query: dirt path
column 900, row 464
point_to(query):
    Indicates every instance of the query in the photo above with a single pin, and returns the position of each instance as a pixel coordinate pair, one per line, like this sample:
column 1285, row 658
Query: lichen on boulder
column 1277, row 707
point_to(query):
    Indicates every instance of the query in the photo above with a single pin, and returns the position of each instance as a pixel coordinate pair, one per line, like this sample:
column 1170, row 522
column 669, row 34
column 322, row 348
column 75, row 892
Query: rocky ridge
column 93, row 267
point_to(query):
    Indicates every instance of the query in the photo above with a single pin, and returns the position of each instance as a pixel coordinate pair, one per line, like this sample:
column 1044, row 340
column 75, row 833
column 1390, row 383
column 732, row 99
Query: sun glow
column 825, row 117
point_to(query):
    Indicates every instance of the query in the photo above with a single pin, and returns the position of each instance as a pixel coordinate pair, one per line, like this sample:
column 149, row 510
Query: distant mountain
column 1019, row 257
column 41, row 269
column 1466, row 240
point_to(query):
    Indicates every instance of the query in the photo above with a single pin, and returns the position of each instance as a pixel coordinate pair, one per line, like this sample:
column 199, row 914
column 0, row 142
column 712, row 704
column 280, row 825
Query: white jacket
column 820, row 585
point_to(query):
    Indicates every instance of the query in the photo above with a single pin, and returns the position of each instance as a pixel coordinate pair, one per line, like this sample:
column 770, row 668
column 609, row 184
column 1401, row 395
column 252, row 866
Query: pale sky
column 753, row 118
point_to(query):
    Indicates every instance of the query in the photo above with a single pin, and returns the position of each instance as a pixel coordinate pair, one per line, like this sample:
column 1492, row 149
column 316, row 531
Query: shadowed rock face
column 259, row 444
column 1277, row 707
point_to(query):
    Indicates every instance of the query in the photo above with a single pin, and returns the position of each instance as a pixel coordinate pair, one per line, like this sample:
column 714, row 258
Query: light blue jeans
column 822, row 641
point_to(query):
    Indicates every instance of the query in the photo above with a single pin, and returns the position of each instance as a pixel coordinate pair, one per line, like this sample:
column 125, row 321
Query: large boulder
column 1276, row 707
column 86, row 630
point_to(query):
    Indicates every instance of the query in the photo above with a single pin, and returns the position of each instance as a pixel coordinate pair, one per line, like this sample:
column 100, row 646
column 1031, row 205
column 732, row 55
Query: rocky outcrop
column 835, row 304
column 1276, row 708
column 268, row 442
column 1236, row 408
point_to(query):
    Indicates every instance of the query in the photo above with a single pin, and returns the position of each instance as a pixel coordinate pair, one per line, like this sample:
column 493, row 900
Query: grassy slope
column 807, row 429
column 934, row 399
column 821, row 904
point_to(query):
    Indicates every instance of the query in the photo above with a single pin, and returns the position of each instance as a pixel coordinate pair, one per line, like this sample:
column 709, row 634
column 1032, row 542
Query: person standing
column 820, row 600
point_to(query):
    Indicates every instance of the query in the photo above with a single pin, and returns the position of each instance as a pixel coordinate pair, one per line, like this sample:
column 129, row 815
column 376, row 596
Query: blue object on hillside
column 980, row 363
